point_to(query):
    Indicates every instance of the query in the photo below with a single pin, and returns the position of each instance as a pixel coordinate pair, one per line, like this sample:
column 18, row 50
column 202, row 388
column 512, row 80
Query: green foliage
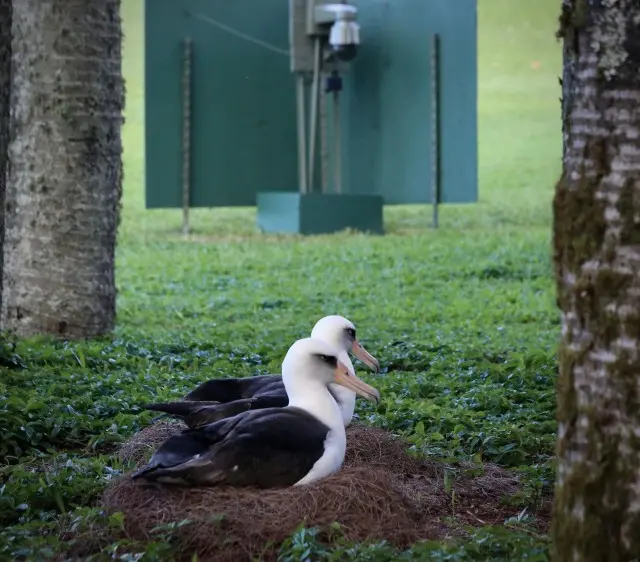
column 446, row 412
column 487, row 545
column 43, row 539
column 50, row 484
column 463, row 319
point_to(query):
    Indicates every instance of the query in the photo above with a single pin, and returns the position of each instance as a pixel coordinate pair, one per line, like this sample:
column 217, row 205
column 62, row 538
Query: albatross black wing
column 229, row 390
column 233, row 390
column 198, row 413
column 264, row 448
column 177, row 450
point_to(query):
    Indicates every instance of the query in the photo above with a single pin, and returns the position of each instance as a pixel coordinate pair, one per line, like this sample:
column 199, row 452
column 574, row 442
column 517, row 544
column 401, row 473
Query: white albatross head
column 341, row 333
column 313, row 363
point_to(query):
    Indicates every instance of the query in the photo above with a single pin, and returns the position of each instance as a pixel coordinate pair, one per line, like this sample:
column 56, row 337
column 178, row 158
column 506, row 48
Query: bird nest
column 381, row 492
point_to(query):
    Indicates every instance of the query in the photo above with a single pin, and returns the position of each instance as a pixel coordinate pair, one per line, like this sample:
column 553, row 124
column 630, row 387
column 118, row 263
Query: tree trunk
column 65, row 172
column 597, row 265
column 5, row 89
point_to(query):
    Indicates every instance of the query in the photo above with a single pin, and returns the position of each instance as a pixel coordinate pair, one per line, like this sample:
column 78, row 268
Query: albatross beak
column 345, row 378
column 364, row 356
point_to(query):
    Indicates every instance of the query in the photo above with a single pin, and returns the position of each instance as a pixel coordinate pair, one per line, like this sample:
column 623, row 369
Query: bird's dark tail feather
column 178, row 409
column 157, row 418
column 141, row 472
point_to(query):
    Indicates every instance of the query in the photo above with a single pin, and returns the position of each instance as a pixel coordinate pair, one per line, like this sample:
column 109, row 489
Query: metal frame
column 435, row 127
column 186, row 133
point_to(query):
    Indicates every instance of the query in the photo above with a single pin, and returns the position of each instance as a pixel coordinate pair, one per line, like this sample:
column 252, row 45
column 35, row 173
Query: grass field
column 464, row 318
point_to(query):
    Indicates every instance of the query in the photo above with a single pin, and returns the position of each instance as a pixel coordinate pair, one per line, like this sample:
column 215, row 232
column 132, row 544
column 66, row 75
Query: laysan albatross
column 217, row 399
column 270, row 447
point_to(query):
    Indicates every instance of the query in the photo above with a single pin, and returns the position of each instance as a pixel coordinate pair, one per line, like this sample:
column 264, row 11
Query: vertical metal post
column 302, row 133
column 186, row 134
column 313, row 110
column 324, row 141
column 337, row 156
column 435, row 127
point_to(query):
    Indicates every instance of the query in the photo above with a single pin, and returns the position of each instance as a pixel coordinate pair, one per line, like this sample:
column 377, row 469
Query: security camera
column 344, row 34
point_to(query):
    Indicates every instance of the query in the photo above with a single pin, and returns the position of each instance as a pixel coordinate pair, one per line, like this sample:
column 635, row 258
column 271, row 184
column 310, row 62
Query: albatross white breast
column 270, row 447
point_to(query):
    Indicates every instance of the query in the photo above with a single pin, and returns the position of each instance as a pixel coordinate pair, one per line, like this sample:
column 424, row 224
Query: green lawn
column 464, row 318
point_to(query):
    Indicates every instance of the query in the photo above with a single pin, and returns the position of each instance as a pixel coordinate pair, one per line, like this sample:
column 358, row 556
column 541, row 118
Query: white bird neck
column 345, row 398
column 319, row 402
column 344, row 357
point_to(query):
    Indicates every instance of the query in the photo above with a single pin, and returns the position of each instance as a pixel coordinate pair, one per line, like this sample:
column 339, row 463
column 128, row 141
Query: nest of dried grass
column 382, row 492
column 139, row 448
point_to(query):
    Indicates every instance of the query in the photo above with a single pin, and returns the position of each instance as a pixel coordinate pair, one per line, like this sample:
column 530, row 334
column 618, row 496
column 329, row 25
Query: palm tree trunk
column 597, row 265
column 65, row 173
column 5, row 89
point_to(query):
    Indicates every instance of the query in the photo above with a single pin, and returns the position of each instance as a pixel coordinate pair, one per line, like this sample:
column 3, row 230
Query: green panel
column 457, row 24
column 319, row 213
column 164, row 25
column 243, row 103
column 387, row 134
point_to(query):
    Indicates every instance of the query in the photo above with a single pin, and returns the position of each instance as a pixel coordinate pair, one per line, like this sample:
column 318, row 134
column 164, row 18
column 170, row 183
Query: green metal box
column 319, row 213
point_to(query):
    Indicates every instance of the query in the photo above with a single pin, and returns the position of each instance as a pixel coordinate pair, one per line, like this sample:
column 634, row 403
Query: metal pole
column 302, row 133
column 337, row 156
column 186, row 134
column 315, row 90
column 324, row 145
column 435, row 127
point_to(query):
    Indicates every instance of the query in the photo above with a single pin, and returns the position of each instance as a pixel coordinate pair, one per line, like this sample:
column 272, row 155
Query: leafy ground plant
column 462, row 318
column 489, row 544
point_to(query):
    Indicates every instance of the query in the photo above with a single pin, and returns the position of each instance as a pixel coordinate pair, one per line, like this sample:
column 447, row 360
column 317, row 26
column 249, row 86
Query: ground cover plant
column 463, row 319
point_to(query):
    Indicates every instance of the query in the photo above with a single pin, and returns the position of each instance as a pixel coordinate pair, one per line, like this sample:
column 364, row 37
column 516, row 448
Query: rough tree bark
column 5, row 89
column 597, row 265
column 65, row 168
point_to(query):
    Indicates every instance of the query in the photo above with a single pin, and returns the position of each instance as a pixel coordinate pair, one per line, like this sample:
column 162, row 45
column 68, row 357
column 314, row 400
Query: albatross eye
column 330, row 359
column 351, row 332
